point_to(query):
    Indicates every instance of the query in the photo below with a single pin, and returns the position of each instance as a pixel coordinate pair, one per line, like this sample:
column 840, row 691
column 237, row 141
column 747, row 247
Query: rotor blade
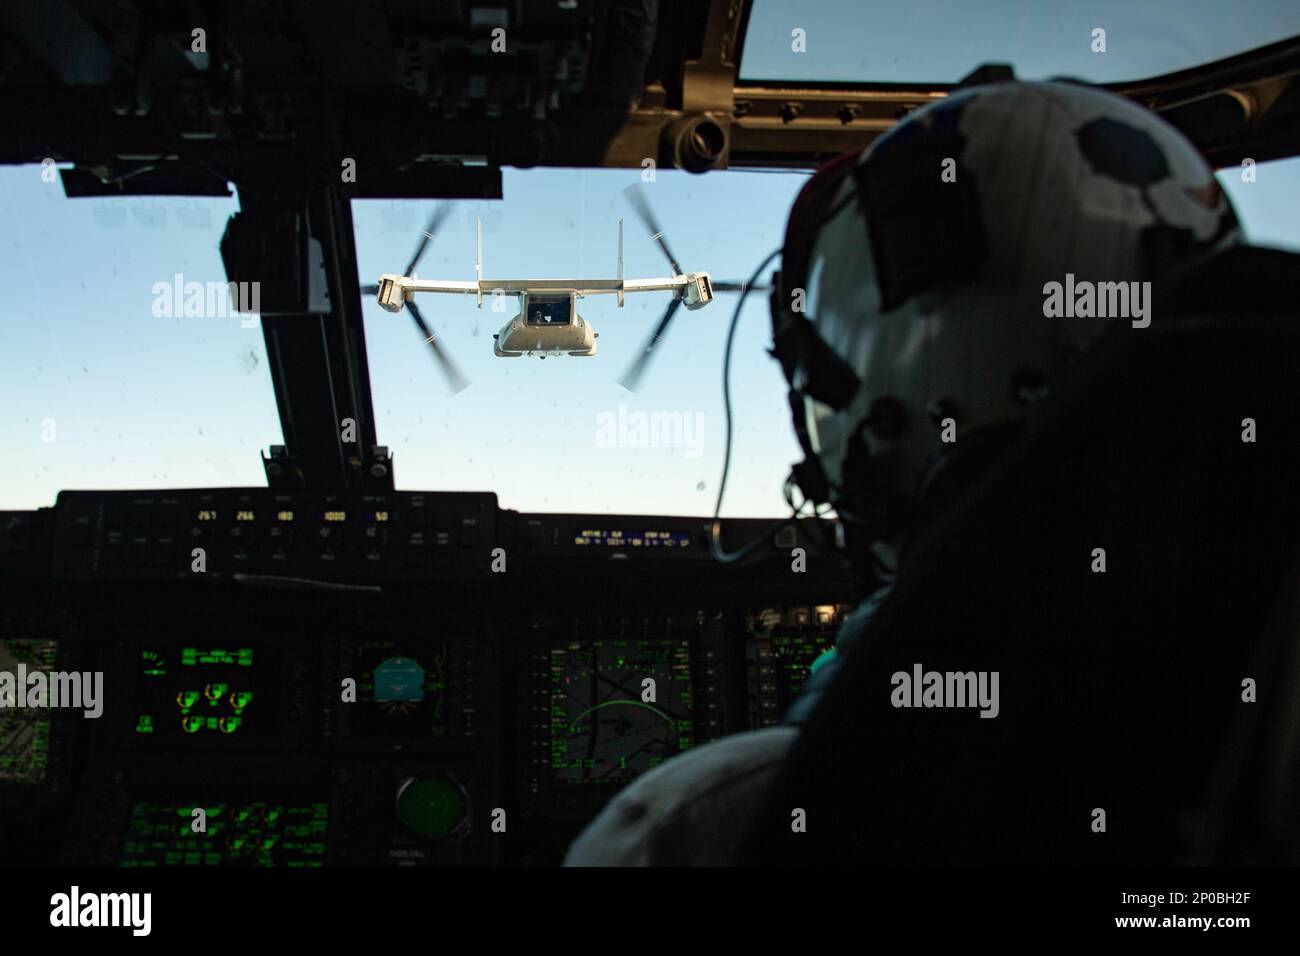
column 455, row 379
column 631, row 379
column 436, row 219
column 636, row 196
column 728, row 286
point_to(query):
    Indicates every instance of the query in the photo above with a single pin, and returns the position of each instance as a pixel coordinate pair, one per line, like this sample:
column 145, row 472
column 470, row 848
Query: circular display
column 432, row 807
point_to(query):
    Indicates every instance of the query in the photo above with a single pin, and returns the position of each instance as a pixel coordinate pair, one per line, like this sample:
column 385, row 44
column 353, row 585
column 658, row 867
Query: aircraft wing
column 666, row 284
column 581, row 286
column 393, row 290
column 440, row 285
column 516, row 286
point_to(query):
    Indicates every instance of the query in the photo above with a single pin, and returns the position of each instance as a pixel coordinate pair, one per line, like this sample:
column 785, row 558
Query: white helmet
column 932, row 287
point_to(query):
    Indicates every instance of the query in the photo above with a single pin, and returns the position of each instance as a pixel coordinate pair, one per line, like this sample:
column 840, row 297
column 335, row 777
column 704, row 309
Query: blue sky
column 941, row 41
column 528, row 428
column 141, row 401
column 133, row 401
column 99, row 392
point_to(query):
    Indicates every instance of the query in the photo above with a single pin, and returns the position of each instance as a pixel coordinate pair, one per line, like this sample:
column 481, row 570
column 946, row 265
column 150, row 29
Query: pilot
column 912, row 308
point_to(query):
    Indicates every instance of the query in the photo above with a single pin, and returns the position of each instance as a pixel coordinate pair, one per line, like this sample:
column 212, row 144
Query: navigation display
column 618, row 708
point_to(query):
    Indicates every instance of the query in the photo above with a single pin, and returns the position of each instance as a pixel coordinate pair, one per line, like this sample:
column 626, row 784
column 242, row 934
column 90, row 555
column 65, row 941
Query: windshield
column 941, row 41
column 107, row 384
column 544, row 310
column 561, row 433
column 111, row 374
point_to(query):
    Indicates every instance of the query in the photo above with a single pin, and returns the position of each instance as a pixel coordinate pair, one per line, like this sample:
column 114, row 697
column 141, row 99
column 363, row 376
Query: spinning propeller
column 455, row 378
column 636, row 197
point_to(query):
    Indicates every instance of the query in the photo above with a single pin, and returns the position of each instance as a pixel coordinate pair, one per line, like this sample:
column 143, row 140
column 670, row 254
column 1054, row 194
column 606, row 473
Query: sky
column 101, row 391
column 941, row 41
column 545, row 434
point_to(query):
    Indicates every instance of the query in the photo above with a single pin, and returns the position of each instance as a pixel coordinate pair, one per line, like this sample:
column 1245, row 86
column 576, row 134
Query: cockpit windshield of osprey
column 603, row 433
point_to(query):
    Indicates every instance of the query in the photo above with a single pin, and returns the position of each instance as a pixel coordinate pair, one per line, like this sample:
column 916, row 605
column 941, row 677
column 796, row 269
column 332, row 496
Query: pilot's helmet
column 934, row 285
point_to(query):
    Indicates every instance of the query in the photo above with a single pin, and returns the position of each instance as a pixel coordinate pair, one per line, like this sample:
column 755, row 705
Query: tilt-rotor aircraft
column 548, row 322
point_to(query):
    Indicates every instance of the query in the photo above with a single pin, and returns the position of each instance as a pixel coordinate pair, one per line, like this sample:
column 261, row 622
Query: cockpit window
column 548, row 311
column 1102, row 41
column 1255, row 191
column 114, row 374
column 600, row 447
column 124, row 363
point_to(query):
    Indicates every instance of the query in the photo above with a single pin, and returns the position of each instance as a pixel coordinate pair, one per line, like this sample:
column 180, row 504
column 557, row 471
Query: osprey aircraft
column 548, row 322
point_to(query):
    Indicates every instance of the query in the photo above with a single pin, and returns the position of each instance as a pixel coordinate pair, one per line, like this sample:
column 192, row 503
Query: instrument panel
column 603, row 728
column 366, row 537
column 351, row 705
column 610, row 696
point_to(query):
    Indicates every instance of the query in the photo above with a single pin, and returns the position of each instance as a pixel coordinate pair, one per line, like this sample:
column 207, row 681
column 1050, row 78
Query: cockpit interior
column 281, row 570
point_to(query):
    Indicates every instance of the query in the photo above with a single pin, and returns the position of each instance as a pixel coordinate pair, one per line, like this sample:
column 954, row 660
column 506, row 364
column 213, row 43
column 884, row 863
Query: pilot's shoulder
column 692, row 810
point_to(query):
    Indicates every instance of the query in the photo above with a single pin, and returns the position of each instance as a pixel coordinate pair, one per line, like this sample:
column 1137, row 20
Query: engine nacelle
column 392, row 292
column 699, row 290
